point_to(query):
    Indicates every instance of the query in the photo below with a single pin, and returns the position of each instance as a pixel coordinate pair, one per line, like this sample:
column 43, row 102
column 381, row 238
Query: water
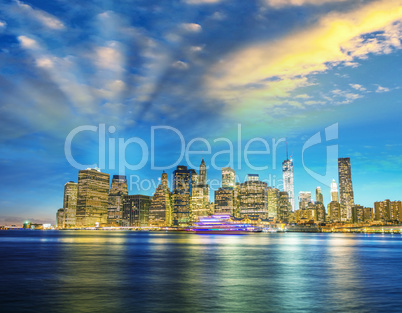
column 94, row 271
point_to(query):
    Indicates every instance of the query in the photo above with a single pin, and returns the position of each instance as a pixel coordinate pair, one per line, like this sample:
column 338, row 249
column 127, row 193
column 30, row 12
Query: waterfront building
column 395, row 211
column 334, row 191
column 70, row 204
column 160, row 211
column 304, row 199
column 118, row 190
column 92, row 199
column 319, row 211
column 284, row 207
column 357, row 214
column 368, row 214
column 228, row 178
column 288, row 180
column 199, row 202
column 273, row 202
column 345, row 188
column 182, row 182
column 387, row 211
column 224, row 201
column 252, row 196
column 318, row 195
column 334, row 210
column 60, row 218
column 136, row 210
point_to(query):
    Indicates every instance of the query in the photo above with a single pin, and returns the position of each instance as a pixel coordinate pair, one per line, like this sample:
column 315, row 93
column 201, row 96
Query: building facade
column 288, row 180
column 346, row 188
column 70, row 204
column 253, row 199
column 228, row 178
column 136, row 210
column 160, row 211
column 93, row 197
column 118, row 190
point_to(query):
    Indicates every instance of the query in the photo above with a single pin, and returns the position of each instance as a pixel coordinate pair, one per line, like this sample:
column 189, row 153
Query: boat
column 221, row 224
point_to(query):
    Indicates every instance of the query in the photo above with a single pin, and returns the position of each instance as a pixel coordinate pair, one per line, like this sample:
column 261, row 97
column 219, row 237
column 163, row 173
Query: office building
column 224, row 201
column 252, row 197
column 334, row 191
column 118, row 190
column 136, row 210
column 60, row 218
column 160, row 211
column 334, row 211
column 288, row 181
column 70, row 204
column 228, row 178
column 182, row 183
column 284, row 207
column 273, row 202
column 92, row 199
column 304, row 199
column 345, row 188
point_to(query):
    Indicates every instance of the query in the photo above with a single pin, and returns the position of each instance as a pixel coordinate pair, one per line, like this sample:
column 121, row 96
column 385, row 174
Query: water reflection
column 172, row 272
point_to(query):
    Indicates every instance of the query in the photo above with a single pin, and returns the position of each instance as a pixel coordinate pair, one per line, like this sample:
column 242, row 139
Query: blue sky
column 279, row 68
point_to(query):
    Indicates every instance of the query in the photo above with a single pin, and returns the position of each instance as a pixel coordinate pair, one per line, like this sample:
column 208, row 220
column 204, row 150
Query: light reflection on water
column 93, row 271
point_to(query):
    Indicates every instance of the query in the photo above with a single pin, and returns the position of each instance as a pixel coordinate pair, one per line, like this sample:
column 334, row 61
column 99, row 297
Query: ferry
column 221, row 224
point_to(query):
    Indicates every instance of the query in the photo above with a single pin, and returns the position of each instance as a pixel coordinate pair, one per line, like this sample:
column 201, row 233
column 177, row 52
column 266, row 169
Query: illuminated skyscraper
column 252, row 196
column 203, row 174
column 304, row 199
column 318, row 195
column 118, row 190
column 199, row 202
column 334, row 191
column 60, row 218
column 284, row 207
column 345, row 188
column 70, row 204
column 92, row 201
column 182, row 181
column 224, row 201
column 228, row 178
column 334, row 211
column 288, row 182
column 136, row 210
column 160, row 211
column 273, row 202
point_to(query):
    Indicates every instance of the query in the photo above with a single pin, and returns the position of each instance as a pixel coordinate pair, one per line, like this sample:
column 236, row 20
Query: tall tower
column 334, row 191
column 164, row 179
column 345, row 188
column 228, row 178
column 118, row 190
column 318, row 195
column 70, row 203
column 160, row 211
column 92, row 200
column 203, row 174
column 288, row 183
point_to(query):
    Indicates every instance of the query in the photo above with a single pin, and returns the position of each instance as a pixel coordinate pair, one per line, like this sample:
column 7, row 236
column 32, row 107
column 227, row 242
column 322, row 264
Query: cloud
column 180, row 65
column 191, row 27
column 357, row 87
column 253, row 72
column 108, row 57
column 43, row 17
column 2, row 24
column 381, row 89
column 28, row 43
column 284, row 3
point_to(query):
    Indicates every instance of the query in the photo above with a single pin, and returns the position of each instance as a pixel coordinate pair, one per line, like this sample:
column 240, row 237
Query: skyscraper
column 273, row 202
column 224, row 201
column 160, row 211
column 304, row 199
column 345, row 188
column 199, row 202
column 118, row 190
column 334, row 191
column 318, row 195
column 93, row 194
column 228, row 178
column 284, row 207
column 70, row 204
column 136, row 210
column 182, row 181
column 288, row 182
column 203, row 174
column 252, row 196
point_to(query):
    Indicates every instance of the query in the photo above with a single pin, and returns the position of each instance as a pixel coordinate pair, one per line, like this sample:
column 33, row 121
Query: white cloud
column 109, row 57
column 284, row 3
column 357, row 87
column 28, row 43
column 43, row 17
column 180, row 65
column 2, row 24
column 44, row 62
column 382, row 89
column 191, row 27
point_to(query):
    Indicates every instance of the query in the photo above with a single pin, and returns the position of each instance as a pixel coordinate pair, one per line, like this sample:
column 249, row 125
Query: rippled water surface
column 95, row 271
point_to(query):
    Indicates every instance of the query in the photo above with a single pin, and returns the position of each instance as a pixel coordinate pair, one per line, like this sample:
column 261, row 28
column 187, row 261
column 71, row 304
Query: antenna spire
column 287, row 154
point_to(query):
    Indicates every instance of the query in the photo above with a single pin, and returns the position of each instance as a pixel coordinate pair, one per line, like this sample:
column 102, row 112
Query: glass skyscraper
column 345, row 188
column 288, row 182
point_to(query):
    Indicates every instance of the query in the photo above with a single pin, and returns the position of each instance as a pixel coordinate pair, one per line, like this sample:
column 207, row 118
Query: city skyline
column 278, row 69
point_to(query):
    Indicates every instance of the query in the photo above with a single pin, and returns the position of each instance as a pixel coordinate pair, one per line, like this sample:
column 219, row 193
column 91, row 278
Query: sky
column 162, row 78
